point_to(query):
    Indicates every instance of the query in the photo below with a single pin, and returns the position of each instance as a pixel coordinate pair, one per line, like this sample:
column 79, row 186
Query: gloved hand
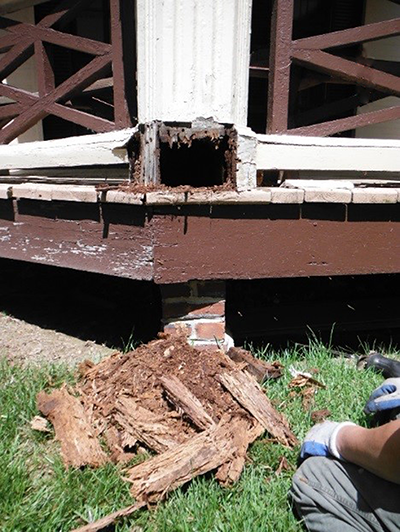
column 386, row 397
column 321, row 440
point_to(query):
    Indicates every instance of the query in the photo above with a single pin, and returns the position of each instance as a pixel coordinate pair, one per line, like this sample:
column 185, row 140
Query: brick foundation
column 198, row 309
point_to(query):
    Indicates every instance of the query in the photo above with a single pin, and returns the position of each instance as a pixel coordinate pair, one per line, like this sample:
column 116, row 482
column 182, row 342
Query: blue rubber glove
column 321, row 440
column 386, row 397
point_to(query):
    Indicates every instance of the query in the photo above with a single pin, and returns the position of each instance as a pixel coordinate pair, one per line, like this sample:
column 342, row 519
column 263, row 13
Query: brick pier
column 197, row 308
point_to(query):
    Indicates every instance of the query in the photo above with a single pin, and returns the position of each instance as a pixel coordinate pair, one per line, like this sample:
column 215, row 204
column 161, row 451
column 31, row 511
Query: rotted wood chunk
column 184, row 400
column 79, row 444
column 145, row 426
column 260, row 369
column 153, row 479
column 250, row 396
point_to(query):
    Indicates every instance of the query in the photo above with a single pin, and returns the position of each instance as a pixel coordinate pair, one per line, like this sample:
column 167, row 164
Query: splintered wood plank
column 152, row 479
column 260, row 369
column 79, row 445
column 250, row 396
column 145, row 426
column 184, row 400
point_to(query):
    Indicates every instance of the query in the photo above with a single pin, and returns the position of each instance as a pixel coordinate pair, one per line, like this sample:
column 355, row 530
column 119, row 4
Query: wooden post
column 280, row 61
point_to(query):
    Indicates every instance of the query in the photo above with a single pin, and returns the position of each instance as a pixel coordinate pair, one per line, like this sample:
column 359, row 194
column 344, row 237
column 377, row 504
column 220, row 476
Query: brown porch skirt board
column 236, row 244
column 84, row 242
column 224, row 248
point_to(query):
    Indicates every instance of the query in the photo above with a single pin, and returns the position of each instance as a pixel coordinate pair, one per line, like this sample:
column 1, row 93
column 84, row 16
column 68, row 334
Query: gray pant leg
column 334, row 496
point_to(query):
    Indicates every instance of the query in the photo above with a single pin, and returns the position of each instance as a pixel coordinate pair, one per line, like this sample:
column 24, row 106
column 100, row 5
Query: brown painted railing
column 108, row 68
column 311, row 53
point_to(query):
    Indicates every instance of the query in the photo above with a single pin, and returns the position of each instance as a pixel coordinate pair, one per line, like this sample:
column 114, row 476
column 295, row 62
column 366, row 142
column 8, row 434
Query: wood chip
column 184, row 400
column 250, row 396
column 260, row 369
column 304, row 379
column 320, row 415
column 40, row 423
column 283, row 466
column 79, row 445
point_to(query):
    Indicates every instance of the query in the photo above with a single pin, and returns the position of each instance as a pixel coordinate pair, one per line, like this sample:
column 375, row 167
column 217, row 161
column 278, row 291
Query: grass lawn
column 38, row 495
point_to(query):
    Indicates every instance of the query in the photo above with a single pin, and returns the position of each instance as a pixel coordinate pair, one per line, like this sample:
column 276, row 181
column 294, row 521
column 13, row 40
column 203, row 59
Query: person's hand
column 386, row 397
column 321, row 440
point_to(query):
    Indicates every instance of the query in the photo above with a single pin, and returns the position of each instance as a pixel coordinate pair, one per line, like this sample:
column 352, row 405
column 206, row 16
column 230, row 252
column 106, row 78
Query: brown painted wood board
column 266, row 242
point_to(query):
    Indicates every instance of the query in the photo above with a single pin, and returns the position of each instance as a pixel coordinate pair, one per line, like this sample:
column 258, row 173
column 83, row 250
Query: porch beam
column 279, row 64
column 294, row 152
column 348, row 70
column 87, row 150
column 370, row 32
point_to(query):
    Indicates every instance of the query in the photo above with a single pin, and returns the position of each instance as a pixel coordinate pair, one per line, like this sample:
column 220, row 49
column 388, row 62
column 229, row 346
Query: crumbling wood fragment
column 145, row 426
column 79, row 445
column 184, row 400
column 250, row 396
column 110, row 519
column 260, row 369
column 230, row 471
column 40, row 423
column 153, row 479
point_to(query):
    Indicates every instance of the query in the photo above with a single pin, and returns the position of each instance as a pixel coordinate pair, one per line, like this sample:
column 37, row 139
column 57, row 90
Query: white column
column 193, row 59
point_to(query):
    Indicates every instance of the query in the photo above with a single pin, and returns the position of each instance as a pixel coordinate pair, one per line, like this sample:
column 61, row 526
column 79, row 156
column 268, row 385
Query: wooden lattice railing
column 109, row 66
column 311, row 53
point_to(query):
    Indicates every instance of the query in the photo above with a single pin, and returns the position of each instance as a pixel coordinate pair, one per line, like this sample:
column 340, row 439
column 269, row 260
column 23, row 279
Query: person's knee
column 299, row 493
column 313, row 474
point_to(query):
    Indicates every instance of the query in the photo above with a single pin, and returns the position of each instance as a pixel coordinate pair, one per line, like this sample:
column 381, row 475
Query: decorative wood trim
column 308, row 52
column 121, row 111
column 38, row 32
column 280, row 61
column 82, row 79
column 348, row 70
column 24, row 39
column 352, row 122
column 370, row 32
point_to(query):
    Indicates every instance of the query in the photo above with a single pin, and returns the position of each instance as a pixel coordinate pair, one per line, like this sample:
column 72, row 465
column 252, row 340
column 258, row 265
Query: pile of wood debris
column 197, row 410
